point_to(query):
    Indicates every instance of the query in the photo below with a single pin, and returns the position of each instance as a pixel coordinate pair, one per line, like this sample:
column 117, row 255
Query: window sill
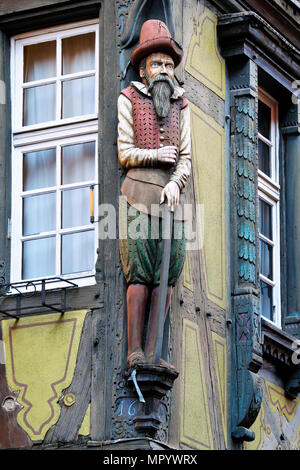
column 35, row 285
column 55, row 295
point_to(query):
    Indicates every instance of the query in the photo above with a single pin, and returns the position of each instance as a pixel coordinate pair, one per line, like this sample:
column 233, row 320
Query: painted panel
column 204, row 61
column 86, row 423
column 220, row 360
column 187, row 273
column 208, row 166
column 195, row 426
column 41, row 354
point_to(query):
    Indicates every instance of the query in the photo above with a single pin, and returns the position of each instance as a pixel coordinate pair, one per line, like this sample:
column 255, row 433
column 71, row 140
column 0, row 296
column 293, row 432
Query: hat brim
column 166, row 45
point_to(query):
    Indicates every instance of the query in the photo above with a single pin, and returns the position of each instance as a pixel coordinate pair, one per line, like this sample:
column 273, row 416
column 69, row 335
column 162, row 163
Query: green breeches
column 141, row 251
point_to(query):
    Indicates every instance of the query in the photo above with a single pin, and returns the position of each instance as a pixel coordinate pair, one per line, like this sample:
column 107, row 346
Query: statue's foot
column 166, row 364
column 136, row 358
column 162, row 362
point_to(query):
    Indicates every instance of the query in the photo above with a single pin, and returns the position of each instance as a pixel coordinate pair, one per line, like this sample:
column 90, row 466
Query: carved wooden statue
column 154, row 146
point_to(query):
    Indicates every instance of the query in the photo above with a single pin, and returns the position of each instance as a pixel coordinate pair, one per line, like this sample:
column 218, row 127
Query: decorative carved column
column 248, row 41
column 247, row 350
column 291, row 136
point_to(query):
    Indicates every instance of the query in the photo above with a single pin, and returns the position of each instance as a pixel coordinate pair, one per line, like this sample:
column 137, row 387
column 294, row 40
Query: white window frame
column 44, row 135
column 58, row 33
column 269, row 191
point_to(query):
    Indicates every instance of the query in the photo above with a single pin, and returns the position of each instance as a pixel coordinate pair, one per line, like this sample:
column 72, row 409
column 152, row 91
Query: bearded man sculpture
column 154, row 146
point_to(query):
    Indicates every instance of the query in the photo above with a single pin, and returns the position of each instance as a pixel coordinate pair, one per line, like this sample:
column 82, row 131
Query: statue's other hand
column 172, row 193
column 167, row 154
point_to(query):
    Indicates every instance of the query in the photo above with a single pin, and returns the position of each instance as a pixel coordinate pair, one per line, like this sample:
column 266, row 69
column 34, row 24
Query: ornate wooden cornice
column 281, row 349
column 283, row 15
column 14, row 19
column 278, row 346
column 248, row 34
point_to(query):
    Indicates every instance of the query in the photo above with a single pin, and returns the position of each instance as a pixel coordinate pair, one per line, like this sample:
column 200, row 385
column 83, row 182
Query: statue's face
column 158, row 63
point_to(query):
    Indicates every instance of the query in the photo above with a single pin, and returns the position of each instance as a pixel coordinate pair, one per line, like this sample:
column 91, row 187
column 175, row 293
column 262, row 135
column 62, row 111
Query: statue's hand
column 167, row 154
column 172, row 192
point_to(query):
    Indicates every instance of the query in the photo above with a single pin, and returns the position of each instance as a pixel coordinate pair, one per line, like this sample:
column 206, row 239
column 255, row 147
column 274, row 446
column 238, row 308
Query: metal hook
column 138, row 390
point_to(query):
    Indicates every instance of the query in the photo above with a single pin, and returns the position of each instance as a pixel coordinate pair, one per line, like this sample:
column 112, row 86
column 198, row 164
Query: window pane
column 264, row 158
column 39, row 213
column 78, row 252
column 265, row 219
column 266, row 301
column 264, row 119
column 78, row 53
column 39, row 169
column 78, row 97
column 39, row 61
column 39, row 258
column 39, row 104
column 78, row 163
column 265, row 256
column 75, row 207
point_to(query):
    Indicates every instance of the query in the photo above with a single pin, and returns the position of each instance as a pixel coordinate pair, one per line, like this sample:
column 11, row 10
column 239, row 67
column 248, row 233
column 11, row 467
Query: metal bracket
column 21, row 287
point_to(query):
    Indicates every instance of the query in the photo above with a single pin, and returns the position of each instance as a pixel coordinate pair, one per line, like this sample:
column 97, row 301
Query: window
column 268, row 207
column 54, row 163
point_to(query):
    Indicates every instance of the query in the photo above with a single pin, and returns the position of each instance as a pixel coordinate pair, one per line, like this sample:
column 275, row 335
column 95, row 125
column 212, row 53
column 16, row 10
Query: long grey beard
column 161, row 88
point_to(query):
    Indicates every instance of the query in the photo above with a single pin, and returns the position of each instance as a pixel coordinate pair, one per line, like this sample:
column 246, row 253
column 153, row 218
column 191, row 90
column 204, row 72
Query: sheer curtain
column 39, row 169
column 78, row 53
column 39, row 213
column 78, row 165
column 77, row 160
column 39, row 258
column 78, row 56
column 78, row 252
column 39, row 101
column 77, row 94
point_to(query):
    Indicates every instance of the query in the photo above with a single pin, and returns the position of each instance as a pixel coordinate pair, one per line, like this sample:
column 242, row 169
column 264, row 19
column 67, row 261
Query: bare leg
column 137, row 296
column 153, row 320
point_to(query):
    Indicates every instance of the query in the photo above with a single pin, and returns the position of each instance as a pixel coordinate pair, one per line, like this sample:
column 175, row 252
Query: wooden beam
column 39, row 14
column 108, row 260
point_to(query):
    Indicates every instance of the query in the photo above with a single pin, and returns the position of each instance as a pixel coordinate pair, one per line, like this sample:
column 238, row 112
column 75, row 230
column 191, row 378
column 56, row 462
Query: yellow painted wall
column 205, row 64
column 195, row 425
column 41, row 354
column 220, row 360
column 188, row 273
column 208, row 140
column 204, row 61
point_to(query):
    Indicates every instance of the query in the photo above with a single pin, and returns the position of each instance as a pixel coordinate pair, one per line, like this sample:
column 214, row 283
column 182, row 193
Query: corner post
column 247, row 348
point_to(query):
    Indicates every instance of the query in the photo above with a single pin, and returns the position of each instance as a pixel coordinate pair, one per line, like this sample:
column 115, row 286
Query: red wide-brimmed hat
column 155, row 37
